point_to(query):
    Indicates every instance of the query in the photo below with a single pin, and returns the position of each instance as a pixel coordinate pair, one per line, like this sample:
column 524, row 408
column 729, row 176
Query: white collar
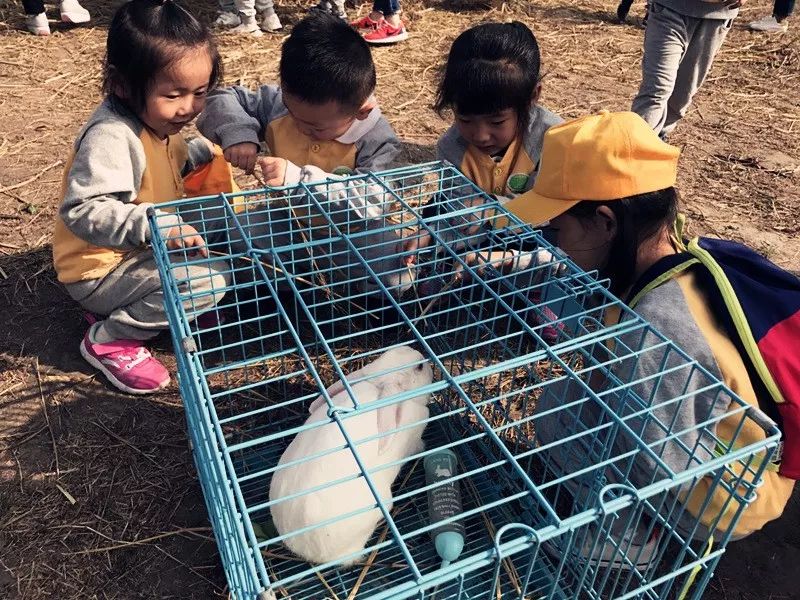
column 360, row 127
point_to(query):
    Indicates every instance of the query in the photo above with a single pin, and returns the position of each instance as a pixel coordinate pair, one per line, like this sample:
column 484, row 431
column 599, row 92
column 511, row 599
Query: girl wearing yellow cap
column 606, row 185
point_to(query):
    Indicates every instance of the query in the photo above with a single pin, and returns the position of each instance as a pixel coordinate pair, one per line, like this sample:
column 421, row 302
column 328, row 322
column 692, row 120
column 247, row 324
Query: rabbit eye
column 419, row 367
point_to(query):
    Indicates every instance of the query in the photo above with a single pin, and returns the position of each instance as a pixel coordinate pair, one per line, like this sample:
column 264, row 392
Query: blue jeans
column 387, row 7
column 33, row 7
column 782, row 9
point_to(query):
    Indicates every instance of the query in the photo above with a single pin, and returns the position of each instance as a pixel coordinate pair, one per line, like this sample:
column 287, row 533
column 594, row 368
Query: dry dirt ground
column 98, row 496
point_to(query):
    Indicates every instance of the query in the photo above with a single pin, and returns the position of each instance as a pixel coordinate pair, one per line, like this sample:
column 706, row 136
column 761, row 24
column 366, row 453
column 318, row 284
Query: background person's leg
column 665, row 43
column 705, row 39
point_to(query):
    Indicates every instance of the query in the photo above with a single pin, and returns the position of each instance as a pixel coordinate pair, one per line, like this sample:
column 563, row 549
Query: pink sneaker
column 127, row 364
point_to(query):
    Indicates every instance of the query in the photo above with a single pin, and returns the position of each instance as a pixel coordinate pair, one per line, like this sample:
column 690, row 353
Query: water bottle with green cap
column 444, row 502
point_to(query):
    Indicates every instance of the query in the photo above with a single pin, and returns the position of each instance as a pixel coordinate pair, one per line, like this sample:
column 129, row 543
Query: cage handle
column 620, row 488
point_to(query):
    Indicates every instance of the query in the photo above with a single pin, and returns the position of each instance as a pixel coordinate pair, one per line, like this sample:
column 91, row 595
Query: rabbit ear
column 388, row 419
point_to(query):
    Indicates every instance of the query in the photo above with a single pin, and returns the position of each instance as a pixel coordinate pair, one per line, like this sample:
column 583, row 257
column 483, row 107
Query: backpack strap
column 662, row 271
column 738, row 318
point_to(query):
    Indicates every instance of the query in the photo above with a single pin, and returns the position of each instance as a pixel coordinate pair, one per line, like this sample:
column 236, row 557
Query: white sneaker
column 248, row 26
column 337, row 10
column 73, row 12
column 227, row 19
column 270, row 21
column 770, row 25
column 37, row 24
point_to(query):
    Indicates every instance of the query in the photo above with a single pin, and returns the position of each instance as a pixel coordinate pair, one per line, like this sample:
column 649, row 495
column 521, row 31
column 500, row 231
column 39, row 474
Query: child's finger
column 461, row 274
column 418, row 242
column 251, row 163
column 271, row 171
column 244, row 162
column 266, row 167
column 199, row 244
column 195, row 244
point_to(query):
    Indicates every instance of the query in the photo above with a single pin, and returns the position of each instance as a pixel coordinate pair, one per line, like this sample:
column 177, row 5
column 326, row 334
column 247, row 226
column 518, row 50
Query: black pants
column 782, row 9
column 33, row 7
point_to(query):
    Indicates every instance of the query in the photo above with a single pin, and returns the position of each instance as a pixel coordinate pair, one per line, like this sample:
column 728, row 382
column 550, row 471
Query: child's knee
column 208, row 284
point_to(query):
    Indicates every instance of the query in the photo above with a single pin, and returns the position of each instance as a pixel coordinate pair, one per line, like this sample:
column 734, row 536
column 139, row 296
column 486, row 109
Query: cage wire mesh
column 597, row 493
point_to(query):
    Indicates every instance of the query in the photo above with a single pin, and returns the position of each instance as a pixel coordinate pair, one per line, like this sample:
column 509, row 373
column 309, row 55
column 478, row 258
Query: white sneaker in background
column 73, row 12
column 337, row 10
column 769, row 25
column 37, row 24
column 227, row 19
column 248, row 26
column 270, row 21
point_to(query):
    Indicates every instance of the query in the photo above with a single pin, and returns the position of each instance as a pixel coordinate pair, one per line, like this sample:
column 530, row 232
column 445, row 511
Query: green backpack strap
column 737, row 317
column 680, row 240
column 666, row 268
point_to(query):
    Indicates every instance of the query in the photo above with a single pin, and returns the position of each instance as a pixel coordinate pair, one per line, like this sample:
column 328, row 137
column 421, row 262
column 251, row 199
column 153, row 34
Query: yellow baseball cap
column 601, row 157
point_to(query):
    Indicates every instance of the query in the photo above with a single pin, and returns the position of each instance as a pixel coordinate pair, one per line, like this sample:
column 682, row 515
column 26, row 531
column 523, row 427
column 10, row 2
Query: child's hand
column 510, row 261
column 421, row 240
column 501, row 260
column 242, row 155
column 186, row 236
column 273, row 170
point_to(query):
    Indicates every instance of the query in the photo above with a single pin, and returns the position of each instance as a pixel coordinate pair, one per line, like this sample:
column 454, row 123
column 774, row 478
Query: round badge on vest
column 518, row 182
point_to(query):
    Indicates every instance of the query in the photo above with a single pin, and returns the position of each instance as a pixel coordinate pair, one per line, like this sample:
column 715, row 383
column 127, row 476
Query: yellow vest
column 76, row 259
column 287, row 141
column 775, row 491
column 496, row 177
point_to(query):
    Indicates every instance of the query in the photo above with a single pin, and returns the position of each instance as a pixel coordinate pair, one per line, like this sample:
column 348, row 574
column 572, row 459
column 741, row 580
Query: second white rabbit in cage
column 319, row 491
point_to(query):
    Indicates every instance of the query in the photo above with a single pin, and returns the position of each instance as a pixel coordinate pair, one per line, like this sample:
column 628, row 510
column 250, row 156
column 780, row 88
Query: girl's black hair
column 491, row 67
column 145, row 36
column 639, row 218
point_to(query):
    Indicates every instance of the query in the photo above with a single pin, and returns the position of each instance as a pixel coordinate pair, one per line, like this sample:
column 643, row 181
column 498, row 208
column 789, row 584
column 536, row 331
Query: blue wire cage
column 316, row 285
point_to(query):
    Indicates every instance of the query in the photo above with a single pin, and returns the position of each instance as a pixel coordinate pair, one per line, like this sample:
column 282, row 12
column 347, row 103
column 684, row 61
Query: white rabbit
column 336, row 535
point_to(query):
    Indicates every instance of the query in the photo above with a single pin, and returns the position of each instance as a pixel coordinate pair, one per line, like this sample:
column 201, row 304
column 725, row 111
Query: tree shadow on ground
column 89, row 475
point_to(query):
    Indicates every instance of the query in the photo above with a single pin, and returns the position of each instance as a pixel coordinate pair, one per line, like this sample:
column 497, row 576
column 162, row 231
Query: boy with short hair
column 322, row 124
column 324, row 115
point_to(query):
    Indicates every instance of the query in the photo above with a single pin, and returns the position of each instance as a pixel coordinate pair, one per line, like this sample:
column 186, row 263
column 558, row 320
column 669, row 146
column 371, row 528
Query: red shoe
column 366, row 24
column 386, row 33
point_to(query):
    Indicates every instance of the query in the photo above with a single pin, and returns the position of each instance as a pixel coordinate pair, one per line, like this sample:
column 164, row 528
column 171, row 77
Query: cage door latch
column 188, row 344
